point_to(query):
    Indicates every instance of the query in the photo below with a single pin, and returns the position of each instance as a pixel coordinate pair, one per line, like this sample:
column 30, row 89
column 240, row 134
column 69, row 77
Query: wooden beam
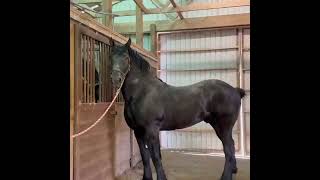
column 139, row 24
column 189, row 23
column 153, row 37
column 217, row 5
column 139, row 3
column 175, row 6
column 162, row 5
column 88, row 1
column 107, row 7
column 190, row 7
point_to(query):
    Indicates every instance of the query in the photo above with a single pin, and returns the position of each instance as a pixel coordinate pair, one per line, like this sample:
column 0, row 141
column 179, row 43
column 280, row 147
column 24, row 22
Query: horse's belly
column 181, row 120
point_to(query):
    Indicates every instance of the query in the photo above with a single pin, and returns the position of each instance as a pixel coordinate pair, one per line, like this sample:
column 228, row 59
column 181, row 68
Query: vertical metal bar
column 85, row 68
column 109, row 92
column 103, row 75
column 100, row 72
column 80, row 76
column 93, row 70
column 88, row 68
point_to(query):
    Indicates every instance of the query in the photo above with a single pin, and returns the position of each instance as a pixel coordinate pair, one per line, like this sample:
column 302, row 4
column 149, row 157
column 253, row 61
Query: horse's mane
column 141, row 63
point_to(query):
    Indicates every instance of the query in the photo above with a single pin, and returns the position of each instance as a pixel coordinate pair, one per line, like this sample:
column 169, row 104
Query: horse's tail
column 241, row 92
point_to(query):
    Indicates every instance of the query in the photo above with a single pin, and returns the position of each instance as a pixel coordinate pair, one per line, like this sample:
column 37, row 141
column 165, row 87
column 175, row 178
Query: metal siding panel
column 246, row 38
column 246, row 102
column 246, row 60
column 198, row 60
column 247, row 122
column 246, row 80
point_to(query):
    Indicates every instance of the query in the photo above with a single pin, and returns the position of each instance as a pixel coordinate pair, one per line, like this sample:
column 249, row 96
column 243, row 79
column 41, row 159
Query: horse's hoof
column 147, row 179
column 234, row 170
column 226, row 178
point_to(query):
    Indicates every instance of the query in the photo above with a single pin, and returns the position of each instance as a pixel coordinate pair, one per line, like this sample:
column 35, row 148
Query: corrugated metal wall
column 189, row 57
column 246, row 102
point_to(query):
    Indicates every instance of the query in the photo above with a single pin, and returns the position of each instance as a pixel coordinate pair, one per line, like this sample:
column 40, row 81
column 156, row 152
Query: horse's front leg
column 145, row 155
column 154, row 148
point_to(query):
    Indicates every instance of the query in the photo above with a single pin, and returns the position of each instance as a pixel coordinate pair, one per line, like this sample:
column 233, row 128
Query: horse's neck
column 135, row 82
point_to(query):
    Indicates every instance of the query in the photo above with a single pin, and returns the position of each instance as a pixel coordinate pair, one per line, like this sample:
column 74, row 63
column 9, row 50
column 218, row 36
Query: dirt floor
column 190, row 166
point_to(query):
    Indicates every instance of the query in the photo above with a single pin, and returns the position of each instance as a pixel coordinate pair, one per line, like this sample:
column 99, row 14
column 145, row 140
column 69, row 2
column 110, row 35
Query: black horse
column 152, row 105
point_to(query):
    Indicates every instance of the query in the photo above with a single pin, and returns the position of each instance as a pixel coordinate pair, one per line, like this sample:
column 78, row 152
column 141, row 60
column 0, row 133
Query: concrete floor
column 190, row 166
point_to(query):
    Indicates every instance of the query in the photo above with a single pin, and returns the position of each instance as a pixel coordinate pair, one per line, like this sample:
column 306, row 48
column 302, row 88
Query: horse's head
column 120, row 62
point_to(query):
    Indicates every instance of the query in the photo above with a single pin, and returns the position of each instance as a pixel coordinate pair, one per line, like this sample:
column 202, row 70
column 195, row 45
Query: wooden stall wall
column 94, row 152
column 110, row 148
column 122, row 142
column 127, row 149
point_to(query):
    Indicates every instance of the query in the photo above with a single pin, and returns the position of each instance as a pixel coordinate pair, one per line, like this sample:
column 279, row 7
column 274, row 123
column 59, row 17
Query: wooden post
column 139, row 25
column 153, row 34
column 240, row 85
column 107, row 7
column 72, row 57
column 177, row 9
column 77, row 95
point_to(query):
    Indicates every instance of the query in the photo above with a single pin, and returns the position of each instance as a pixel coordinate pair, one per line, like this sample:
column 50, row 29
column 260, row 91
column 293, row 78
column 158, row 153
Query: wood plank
column 72, row 84
column 153, row 37
column 139, row 3
column 77, row 94
column 222, row 21
column 77, row 16
column 198, row 50
column 216, row 5
column 139, row 24
column 177, row 8
column 190, row 7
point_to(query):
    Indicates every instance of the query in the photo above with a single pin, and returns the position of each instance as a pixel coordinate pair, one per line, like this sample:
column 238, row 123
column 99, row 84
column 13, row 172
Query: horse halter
column 123, row 75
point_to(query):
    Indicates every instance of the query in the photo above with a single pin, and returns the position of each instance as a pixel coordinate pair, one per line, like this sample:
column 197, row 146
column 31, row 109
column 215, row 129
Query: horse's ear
column 128, row 43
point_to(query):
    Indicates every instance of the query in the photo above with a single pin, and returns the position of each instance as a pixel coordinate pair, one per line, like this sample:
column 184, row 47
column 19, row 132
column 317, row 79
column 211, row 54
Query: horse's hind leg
column 223, row 127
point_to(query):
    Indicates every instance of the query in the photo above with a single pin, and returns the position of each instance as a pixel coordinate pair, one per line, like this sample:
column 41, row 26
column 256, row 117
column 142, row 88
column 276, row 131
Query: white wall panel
column 190, row 57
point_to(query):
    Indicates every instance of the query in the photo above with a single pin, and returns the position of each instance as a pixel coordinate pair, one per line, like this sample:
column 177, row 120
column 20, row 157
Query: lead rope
column 106, row 111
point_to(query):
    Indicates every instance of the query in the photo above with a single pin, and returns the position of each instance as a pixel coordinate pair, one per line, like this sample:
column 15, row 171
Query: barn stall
column 184, row 42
